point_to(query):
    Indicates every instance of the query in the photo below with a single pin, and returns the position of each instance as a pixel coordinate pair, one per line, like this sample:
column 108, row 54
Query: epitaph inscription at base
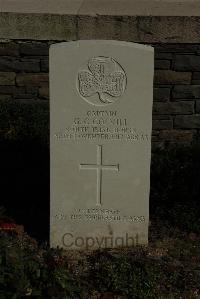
column 100, row 118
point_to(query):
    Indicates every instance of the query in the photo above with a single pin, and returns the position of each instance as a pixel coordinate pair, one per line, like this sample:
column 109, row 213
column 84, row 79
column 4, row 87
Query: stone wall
column 176, row 117
column 176, row 111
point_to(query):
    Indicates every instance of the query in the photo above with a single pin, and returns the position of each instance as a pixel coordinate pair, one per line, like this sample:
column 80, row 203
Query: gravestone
column 101, row 116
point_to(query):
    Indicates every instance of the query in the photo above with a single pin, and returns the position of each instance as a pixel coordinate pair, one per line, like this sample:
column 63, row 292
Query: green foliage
column 135, row 275
column 24, row 120
column 175, row 186
column 26, row 270
column 58, row 279
column 124, row 275
column 2, row 211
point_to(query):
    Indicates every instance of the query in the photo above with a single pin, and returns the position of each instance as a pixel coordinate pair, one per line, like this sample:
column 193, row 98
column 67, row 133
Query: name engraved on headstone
column 102, row 128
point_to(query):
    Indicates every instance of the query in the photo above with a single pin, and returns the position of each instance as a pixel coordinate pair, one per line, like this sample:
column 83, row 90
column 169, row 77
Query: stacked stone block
column 24, row 70
column 176, row 117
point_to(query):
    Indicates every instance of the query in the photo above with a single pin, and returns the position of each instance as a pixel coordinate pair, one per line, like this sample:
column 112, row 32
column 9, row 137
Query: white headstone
column 101, row 116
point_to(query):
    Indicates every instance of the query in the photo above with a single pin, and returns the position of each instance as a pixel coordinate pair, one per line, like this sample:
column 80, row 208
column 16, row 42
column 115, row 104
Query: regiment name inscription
column 95, row 125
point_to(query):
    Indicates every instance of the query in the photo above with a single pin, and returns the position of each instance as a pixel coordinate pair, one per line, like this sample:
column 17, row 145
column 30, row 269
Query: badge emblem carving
column 104, row 83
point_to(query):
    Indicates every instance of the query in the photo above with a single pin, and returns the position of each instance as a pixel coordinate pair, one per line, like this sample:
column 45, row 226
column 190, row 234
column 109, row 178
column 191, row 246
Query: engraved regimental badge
column 103, row 83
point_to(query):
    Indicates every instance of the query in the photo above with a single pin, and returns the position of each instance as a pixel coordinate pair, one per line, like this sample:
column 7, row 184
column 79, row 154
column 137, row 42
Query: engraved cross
column 99, row 167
